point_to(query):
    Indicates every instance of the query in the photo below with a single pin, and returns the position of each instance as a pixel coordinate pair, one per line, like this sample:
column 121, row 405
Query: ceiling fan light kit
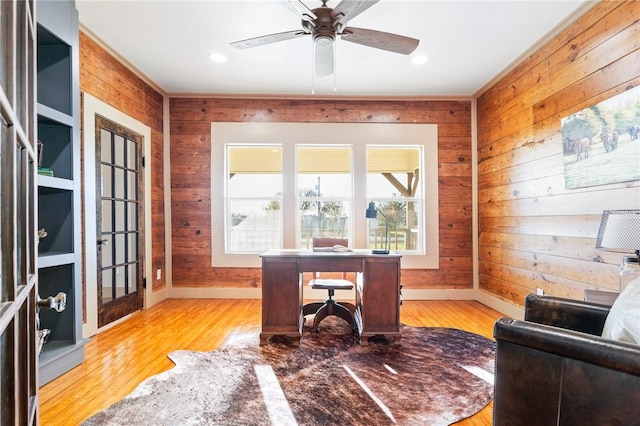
column 324, row 24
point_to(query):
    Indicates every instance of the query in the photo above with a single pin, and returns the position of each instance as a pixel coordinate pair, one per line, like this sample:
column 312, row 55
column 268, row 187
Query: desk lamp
column 620, row 232
column 372, row 213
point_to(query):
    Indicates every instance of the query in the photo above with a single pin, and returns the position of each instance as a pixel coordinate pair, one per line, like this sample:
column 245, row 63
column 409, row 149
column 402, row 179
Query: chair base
column 322, row 310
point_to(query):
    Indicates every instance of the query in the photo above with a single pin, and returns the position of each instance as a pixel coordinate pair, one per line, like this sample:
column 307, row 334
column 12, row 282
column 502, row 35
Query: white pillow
column 623, row 321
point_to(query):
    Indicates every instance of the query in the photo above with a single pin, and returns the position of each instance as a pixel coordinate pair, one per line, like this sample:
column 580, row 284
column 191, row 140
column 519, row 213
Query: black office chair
column 330, row 306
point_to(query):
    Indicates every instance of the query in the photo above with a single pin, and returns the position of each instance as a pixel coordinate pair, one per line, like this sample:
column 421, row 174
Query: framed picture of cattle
column 601, row 144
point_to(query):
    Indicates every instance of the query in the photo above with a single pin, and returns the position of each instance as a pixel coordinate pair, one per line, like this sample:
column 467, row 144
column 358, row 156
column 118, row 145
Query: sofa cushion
column 623, row 321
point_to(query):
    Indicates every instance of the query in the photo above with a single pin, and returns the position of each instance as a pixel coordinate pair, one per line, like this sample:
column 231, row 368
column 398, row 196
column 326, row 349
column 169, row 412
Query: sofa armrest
column 577, row 315
column 611, row 354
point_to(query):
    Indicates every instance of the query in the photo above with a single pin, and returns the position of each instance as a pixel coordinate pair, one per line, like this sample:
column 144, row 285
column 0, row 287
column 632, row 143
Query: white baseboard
column 309, row 294
column 153, row 297
column 256, row 293
column 499, row 305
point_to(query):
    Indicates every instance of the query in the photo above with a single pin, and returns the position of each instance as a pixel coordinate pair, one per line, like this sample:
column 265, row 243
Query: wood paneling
column 534, row 233
column 191, row 186
column 104, row 77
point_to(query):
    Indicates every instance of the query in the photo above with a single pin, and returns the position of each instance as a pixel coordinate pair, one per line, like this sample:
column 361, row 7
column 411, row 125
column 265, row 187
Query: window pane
column 323, row 219
column 254, row 225
column 254, row 171
column 324, row 171
column 403, row 222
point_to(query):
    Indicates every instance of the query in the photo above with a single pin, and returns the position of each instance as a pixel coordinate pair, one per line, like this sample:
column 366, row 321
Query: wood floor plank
column 119, row 358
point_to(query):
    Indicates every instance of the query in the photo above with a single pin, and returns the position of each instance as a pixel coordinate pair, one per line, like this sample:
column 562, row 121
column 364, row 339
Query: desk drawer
column 332, row 264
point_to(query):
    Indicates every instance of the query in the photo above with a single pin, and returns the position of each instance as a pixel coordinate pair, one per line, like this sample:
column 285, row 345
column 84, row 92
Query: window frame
column 291, row 135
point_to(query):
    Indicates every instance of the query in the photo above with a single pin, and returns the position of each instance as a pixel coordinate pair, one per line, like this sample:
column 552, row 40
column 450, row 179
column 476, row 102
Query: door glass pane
column 106, row 146
column 120, row 280
column 131, row 277
column 120, row 246
column 132, row 185
column 132, row 238
column 132, row 216
column 105, row 251
column 6, row 397
column 107, row 211
column 107, row 277
column 120, row 209
column 132, row 154
column 3, row 142
column 107, row 181
column 20, row 173
column 119, row 183
column 119, row 150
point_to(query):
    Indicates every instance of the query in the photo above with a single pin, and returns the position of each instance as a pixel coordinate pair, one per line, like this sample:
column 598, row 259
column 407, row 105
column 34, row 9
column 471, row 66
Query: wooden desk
column 377, row 290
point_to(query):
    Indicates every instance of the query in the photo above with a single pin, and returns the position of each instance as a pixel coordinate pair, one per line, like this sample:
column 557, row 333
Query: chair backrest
column 330, row 242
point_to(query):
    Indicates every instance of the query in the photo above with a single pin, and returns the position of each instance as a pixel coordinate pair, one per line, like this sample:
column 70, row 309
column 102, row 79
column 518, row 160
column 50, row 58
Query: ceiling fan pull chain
column 335, row 70
column 313, row 68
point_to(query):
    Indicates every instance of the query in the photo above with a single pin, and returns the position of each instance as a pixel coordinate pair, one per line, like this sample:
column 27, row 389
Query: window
column 253, row 220
column 324, row 184
column 395, row 186
column 285, row 183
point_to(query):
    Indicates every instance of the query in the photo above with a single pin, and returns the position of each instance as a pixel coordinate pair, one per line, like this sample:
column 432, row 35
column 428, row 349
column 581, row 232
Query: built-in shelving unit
column 59, row 252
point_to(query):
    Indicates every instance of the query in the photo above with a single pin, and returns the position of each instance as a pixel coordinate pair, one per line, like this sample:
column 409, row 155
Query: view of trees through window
column 324, row 188
column 394, row 185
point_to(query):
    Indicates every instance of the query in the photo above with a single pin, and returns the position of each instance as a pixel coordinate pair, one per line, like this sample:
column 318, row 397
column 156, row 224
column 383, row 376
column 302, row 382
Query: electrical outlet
column 539, row 292
column 158, row 274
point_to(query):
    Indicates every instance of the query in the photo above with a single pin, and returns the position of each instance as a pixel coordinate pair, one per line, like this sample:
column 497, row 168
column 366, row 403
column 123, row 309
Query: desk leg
column 281, row 299
column 378, row 299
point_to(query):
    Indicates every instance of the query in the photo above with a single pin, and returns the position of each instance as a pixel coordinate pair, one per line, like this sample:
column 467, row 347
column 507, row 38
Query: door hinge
column 144, row 283
column 143, row 161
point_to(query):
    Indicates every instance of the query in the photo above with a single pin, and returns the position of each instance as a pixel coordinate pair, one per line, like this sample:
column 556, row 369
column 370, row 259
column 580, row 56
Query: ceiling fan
column 325, row 23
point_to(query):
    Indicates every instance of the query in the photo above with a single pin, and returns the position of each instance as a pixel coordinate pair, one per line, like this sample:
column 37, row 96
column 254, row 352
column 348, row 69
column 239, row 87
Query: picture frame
column 601, row 143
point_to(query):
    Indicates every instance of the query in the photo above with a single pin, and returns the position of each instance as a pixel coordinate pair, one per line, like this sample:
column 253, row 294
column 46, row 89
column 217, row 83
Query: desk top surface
column 338, row 253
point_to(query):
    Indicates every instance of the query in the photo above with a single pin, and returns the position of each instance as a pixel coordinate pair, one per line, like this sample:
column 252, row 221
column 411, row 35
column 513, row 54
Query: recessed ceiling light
column 217, row 57
column 419, row 60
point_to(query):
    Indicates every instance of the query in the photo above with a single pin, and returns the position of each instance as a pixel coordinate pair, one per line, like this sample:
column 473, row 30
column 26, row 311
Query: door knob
column 103, row 242
column 57, row 302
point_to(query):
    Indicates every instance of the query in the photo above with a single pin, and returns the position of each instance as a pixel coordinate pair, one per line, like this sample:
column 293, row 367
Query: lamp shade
column 619, row 231
column 371, row 212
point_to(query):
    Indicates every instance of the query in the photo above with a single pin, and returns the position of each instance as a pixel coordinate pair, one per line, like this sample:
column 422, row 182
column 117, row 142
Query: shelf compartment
column 57, row 149
column 54, row 71
column 55, row 215
column 52, row 281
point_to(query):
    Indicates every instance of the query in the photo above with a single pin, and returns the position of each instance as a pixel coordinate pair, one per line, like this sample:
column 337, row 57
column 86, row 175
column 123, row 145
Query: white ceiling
column 467, row 42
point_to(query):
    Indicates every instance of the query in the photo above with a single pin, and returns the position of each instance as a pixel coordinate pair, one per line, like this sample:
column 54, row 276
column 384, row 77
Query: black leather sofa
column 553, row 368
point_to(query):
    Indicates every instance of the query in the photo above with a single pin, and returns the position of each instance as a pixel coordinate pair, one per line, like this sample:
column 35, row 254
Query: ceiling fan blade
column 380, row 40
column 267, row 39
column 348, row 9
column 323, row 59
column 301, row 9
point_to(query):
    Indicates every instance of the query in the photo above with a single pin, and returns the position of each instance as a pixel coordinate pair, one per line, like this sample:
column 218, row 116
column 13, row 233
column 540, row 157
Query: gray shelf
column 59, row 253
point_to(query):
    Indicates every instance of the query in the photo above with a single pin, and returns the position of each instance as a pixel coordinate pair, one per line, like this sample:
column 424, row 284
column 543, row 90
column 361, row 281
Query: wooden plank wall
column 107, row 79
column 534, row 233
column 190, row 120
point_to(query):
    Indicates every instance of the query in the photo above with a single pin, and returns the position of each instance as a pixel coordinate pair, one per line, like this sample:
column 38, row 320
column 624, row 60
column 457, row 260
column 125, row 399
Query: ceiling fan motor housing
column 322, row 29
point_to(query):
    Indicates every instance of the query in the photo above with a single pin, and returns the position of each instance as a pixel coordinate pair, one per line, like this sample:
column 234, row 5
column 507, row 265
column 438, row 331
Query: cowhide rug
column 437, row 376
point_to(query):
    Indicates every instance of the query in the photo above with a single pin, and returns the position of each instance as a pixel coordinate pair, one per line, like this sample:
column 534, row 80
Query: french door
column 18, row 241
column 119, row 239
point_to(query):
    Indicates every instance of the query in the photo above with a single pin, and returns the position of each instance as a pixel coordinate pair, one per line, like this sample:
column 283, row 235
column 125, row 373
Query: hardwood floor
column 118, row 359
